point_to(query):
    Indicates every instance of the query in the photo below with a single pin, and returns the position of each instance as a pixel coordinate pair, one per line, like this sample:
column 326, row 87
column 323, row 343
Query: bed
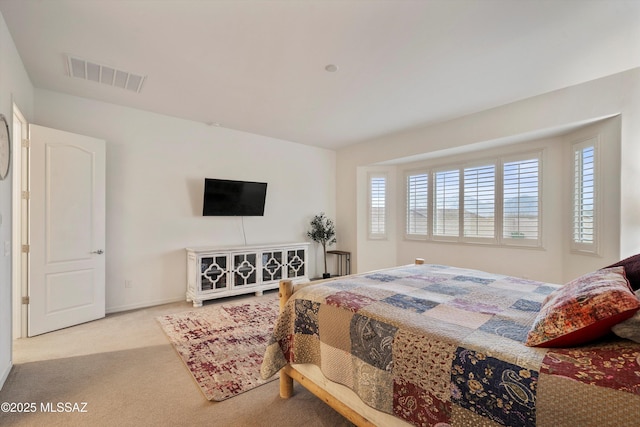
column 433, row 345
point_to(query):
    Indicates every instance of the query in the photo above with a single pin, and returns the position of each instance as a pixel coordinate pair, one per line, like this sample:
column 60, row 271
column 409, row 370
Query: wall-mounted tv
column 223, row 197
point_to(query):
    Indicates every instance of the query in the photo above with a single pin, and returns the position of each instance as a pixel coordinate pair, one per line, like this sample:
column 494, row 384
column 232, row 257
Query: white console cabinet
column 214, row 272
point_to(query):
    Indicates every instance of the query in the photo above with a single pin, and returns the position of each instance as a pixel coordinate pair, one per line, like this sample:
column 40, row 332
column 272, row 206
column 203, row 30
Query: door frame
column 19, row 261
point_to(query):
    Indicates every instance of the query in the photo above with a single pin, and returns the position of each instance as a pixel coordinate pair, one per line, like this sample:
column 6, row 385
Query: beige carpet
column 127, row 372
column 223, row 345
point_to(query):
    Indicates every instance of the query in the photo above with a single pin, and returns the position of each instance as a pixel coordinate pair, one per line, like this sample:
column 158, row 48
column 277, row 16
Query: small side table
column 344, row 259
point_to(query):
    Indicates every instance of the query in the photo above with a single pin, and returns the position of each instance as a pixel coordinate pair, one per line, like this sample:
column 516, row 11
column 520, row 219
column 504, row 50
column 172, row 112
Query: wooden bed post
column 286, row 382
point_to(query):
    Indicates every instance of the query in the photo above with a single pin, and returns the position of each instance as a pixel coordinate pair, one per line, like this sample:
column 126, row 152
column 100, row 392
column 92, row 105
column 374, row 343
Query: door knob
column 99, row 252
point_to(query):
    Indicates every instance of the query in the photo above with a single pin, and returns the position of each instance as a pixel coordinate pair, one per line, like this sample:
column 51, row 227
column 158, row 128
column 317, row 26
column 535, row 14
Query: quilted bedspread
column 439, row 346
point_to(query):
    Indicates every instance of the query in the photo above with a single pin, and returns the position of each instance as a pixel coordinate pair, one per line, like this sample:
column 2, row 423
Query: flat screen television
column 223, row 197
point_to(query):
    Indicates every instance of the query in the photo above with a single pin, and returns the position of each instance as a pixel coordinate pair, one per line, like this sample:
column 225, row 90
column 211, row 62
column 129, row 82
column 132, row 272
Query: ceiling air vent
column 83, row 69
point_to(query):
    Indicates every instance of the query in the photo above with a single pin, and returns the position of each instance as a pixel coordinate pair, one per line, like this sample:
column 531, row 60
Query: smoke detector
column 99, row 73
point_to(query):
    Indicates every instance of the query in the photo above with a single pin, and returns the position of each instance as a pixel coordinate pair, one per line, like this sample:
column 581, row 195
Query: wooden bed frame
column 289, row 373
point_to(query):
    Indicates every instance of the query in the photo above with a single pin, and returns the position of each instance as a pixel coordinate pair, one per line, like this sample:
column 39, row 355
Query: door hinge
column 26, row 143
column 26, row 249
column 25, row 300
column 26, row 195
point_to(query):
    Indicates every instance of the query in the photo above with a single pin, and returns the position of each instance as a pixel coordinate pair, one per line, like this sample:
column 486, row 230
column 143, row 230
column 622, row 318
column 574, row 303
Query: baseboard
column 5, row 374
column 127, row 307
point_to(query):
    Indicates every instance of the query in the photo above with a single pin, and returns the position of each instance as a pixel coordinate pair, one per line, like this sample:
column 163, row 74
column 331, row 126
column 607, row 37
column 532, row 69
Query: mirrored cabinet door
column 245, row 269
column 296, row 263
column 272, row 266
column 213, row 272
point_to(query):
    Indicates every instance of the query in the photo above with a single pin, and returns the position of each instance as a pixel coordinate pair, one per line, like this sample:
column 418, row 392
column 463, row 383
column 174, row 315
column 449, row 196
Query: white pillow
column 630, row 328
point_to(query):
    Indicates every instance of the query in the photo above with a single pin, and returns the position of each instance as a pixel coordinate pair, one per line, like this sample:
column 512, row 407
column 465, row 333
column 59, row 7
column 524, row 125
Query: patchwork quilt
column 444, row 346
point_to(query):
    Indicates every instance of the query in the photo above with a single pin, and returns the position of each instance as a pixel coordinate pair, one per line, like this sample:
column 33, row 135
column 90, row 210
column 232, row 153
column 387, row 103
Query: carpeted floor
column 128, row 374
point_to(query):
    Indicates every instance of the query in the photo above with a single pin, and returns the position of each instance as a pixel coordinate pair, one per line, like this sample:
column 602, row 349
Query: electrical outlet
column 128, row 284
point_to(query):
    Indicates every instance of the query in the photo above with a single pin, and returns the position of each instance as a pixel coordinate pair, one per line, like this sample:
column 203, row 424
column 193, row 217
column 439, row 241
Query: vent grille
column 88, row 70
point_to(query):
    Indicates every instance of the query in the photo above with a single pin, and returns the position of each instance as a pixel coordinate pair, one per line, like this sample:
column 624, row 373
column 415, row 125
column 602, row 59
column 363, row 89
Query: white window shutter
column 446, row 220
column 521, row 201
column 377, row 206
column 479, row 202
column 417, row 205
column 585, row 212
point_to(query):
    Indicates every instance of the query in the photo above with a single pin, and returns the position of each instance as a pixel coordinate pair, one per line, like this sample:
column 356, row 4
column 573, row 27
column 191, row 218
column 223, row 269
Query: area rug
column 223, row 344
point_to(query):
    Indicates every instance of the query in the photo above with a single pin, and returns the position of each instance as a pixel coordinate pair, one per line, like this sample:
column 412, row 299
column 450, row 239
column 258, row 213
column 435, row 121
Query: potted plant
column 323, row 231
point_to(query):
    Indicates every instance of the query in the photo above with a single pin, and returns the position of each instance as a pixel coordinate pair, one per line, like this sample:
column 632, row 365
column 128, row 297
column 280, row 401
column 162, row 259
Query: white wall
column 521, row 121
column 156, row 167
column 15, row 87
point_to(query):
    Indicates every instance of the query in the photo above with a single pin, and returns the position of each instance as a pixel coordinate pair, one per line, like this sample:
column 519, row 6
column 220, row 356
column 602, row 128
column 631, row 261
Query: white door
column 67, row 229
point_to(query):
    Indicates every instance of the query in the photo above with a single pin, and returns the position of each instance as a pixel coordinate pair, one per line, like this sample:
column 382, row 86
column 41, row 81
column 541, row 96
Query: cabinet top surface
column 244, row 248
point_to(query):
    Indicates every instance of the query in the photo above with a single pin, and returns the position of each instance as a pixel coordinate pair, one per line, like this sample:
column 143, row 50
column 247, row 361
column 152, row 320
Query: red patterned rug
column 223, row 344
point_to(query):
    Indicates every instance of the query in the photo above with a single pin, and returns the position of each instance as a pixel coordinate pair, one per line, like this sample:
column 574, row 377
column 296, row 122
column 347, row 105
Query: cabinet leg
column 258, row 293
column 197, row 303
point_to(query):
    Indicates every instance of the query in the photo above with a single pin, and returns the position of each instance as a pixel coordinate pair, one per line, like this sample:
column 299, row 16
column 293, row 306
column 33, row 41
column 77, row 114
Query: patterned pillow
column 584, row 309
column 630, row 328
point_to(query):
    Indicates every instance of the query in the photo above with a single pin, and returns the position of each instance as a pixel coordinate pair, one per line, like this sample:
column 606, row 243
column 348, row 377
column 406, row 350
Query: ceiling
column 259, row 65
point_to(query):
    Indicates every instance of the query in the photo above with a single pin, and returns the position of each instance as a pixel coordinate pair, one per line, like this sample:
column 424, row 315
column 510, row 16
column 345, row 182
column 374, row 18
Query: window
column 417, row 205
column 446, row 221
column 584, row 196
column 479, row 202
column 492, row 201
column 521, row 201
column 377, row 206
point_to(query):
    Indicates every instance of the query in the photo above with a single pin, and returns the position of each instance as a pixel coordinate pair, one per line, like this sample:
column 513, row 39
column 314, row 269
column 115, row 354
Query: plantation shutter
column 521, row 203
column 446, row 221
column 417, row 204
column 479, row 201
column 584, row 197
column 377, row 206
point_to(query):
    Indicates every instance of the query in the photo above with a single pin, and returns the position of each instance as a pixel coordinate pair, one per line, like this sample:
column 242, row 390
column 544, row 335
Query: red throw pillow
column 631, row 270
column 584, row 309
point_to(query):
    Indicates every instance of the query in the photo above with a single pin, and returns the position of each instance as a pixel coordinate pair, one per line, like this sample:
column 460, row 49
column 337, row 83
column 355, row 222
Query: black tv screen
column 224, row 197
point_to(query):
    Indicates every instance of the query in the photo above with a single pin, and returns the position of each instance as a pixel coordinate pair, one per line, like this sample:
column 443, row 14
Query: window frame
column 434, row 203
column 497, row 205
column 579, row 146
column 407, row 234
column 498, row 163
column 511, row 241
column 371, row 234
